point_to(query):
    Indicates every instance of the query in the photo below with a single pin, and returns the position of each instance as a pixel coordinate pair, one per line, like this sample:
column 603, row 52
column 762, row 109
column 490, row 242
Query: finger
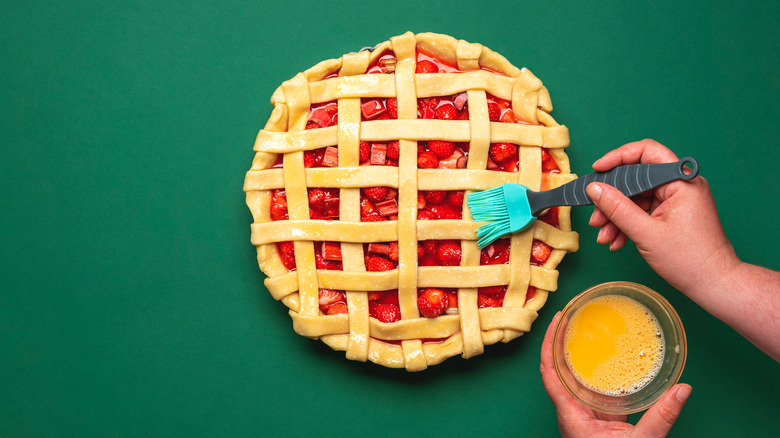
column 619, row 242
column 660, row 418
column 607, row 234
column 644, row 151
column 621, row 211
column 547, row 343
column 598, row 219
column 564, row 403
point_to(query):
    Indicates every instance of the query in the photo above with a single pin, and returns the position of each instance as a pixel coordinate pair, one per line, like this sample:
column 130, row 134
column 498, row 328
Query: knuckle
column 615, row 209
column 667, row 415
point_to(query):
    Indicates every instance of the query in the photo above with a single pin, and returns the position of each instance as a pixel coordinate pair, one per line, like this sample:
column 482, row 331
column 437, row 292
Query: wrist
column 717, row 276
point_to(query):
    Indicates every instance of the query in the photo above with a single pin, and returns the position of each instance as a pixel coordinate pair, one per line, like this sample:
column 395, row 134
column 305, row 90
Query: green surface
column 130, row 299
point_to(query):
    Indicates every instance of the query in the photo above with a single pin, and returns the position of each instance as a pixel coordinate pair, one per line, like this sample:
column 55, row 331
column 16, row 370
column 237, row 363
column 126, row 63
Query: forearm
column 747, row 298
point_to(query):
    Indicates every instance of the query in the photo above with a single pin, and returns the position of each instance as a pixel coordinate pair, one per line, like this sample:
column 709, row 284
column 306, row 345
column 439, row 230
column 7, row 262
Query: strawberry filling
column 381, row 203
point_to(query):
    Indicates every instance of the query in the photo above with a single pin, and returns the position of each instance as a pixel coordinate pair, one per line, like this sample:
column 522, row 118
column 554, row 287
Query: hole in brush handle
column 686, row 174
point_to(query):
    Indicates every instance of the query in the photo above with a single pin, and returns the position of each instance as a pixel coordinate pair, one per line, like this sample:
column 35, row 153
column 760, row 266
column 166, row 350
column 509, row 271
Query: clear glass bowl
column 675, row 350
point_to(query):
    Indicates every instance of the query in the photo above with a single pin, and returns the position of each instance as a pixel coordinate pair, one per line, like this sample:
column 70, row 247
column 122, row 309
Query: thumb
column 620, row 210
column 658, row 420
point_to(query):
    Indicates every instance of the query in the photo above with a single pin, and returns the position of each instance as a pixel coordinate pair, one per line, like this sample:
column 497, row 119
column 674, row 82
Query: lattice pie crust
column 414, row 342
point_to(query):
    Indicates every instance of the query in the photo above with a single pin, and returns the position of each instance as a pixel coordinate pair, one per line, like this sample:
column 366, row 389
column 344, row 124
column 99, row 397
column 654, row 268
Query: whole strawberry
column 386, row 312
column 375, row 193
column 426, row 66
column 432, row 302
column 427, row 160
column 378, row 264
column 448, row 253
column 502, row 151
column 441, row 148
column 446, row 112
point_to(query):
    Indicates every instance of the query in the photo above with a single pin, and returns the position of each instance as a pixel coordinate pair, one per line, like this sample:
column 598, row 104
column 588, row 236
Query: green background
column 131, row 303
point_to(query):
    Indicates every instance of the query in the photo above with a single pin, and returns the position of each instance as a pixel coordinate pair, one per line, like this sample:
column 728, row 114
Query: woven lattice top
column 350, row 209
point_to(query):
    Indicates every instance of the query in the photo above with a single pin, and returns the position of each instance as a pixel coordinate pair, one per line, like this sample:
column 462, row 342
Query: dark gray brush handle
column 631, row 179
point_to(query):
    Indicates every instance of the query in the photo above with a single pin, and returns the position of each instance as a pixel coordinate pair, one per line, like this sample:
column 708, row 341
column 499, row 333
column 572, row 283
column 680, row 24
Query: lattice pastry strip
column 356, row 192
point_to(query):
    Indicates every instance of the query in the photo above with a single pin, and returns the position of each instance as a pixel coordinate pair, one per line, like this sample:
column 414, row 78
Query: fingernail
column 683, row 393
column 594, row 191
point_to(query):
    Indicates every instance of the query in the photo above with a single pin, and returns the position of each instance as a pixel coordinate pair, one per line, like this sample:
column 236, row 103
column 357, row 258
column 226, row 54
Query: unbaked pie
column 357, row 189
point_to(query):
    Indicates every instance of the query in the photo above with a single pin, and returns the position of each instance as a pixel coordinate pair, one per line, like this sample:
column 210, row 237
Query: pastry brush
column 512, row 207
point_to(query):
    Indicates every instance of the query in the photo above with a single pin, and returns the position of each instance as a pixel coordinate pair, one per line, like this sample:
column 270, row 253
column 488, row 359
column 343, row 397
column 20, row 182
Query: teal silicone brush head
column 504, row 208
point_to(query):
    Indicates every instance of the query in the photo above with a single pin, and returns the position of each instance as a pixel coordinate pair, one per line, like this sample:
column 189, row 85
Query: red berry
column 329, row 297
column 429, row 246
column 378, row 264
column 446, row 112
column 428, row 102
column 426, row 113
column 389, row 297
column 332, row 108
column 392, row 107
column 317, row 199
column 496, row 253
column 313, row 158
column 435, row 196
column 432, row 302
column 452, row 299
column 492, row 290
column 286, row 247
column 494, row 112
column 375, row 193
column 393, row 150
column 427, row 260
column 548, row 163
column 337, row 308
column 278, row 208
column 365, row 151
column 508, row 117
column 441, row 148
column 448, row 253
column 288, row 260
column 540, row 252
column 427, row 160
column 455, row 198
column 490, row 300
column 367, row 208
column 502, row 151
column 426, row 215
column 375, row 295
column 446, row 211
column 393, row 252
column 386, row 312
column 426, row 66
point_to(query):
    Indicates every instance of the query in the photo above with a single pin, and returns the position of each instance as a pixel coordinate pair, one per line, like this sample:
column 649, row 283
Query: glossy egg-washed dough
column 356, row 333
